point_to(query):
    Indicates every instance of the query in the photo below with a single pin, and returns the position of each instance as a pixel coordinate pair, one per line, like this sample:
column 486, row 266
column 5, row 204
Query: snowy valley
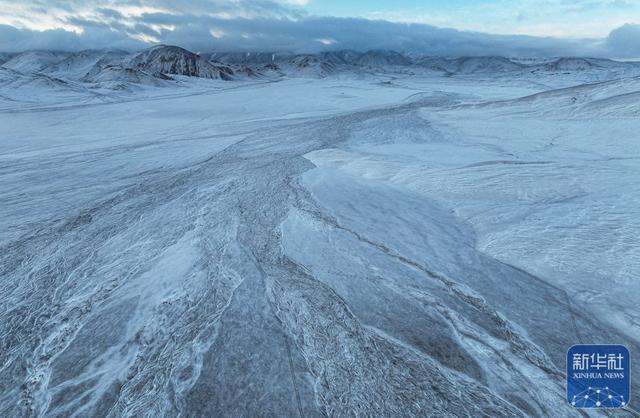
column 334, row 234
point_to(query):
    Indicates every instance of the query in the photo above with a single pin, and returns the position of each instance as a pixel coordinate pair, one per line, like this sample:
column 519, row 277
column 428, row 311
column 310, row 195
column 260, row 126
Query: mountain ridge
column 165, row 62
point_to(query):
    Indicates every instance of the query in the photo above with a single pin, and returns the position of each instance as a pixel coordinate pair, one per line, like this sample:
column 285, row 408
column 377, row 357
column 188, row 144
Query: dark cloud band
column 110, row 29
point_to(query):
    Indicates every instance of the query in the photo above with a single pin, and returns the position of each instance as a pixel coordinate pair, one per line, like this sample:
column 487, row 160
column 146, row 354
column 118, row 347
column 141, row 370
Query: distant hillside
column 178, row 61
column 118, row 68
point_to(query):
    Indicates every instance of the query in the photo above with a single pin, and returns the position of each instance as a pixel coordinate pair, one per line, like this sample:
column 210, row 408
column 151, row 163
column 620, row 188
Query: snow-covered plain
column 377, row 243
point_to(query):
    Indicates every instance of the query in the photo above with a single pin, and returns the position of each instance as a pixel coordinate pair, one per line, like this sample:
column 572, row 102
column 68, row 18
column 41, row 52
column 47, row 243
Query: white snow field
column 339, row 240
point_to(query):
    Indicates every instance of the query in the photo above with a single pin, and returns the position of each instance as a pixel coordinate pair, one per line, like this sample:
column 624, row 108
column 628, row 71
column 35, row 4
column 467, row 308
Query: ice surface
column 384, row 242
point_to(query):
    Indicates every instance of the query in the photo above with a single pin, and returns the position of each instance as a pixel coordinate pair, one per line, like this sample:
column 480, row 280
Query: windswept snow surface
column 374, row 244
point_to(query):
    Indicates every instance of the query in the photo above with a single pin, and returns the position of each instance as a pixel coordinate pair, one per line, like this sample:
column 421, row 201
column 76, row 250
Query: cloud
column 310, row 35
column 15, row 40
column 49, row 14
column 624, row 42
column 243, row 25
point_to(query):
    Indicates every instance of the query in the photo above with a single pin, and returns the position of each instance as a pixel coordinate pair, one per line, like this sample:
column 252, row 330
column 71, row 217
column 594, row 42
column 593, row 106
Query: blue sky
column 562, row 18
column 522, row 27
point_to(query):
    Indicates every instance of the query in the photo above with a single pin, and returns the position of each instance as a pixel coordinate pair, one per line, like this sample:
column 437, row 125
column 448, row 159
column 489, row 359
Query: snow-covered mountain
column 279, row 64
column 342, row 57
column 166, row 61
column 88, row 73
column 469, row 65
column 118, row 77
column 5, row 56
column 575, row 64
column 173, row 60
column 247, row 58
column 605, row 98
column 78, row 65
column 474, row 65
column 309, row 66
column 30, row 62
column 382, row 58
column 18, row 89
